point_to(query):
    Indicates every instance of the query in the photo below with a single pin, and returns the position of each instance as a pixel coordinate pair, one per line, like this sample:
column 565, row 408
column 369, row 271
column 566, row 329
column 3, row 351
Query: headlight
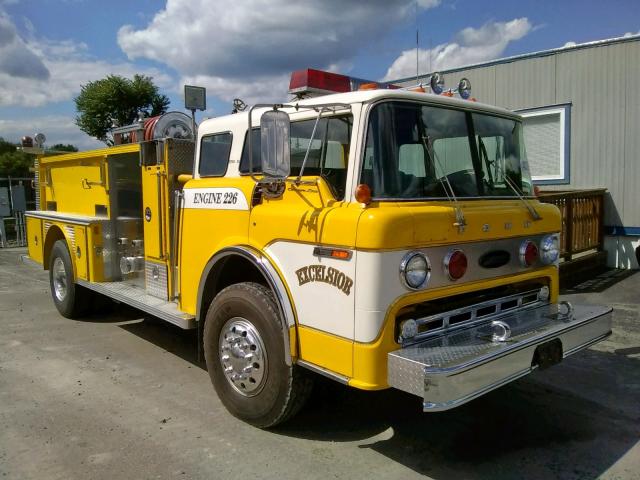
column 550, row 249
column 415, row 270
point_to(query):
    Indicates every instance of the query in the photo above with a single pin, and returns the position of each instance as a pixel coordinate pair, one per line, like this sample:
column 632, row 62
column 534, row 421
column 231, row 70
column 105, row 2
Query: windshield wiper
column 534, row 213
column 460, row 222
column 482, row 150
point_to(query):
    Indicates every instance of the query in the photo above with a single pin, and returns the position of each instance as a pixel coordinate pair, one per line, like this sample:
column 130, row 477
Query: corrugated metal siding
column 593, row 80
column 631, row 198
column 526, row 84
column 600, row 83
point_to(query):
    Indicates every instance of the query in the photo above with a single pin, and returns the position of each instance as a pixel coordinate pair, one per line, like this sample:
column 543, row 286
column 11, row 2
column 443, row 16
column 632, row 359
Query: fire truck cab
column 379, row 237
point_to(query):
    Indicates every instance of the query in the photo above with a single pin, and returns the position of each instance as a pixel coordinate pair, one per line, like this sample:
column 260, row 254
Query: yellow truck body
column 150, row 225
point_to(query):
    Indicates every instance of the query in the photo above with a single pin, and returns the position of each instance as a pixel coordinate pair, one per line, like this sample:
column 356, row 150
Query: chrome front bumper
column 452, row 369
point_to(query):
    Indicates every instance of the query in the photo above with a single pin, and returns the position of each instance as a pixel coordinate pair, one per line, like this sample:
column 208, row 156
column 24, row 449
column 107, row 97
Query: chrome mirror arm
column 306, row 155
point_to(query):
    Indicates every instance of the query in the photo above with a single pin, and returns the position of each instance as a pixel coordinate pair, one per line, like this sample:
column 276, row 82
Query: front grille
column 443, row 315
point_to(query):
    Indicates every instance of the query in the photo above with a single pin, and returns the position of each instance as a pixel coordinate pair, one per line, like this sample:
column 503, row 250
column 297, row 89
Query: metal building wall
column 601, row 84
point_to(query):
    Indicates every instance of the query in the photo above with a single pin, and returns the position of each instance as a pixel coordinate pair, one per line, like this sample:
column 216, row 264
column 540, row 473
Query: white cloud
column 57, row 128
column 269, row 88
column 569, row 44
column 16, row 59
column 471, row 45
column 247, row 49
column 67, row 64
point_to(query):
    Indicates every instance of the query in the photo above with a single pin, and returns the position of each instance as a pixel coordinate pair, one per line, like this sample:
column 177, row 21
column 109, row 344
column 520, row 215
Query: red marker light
column 528, row 253
column 455, row 264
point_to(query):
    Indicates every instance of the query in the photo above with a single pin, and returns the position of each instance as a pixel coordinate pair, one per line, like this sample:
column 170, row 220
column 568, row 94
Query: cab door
column 309, row 234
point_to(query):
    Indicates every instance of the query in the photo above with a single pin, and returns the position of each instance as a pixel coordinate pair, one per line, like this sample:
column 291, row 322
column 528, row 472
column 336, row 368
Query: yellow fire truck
column 381, row 237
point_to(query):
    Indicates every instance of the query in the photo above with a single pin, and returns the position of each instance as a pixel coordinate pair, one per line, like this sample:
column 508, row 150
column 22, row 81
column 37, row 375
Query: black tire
column 74, row 301
column 283, row 389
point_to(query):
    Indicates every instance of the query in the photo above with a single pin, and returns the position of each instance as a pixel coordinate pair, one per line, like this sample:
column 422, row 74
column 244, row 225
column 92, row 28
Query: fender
column 273, row 279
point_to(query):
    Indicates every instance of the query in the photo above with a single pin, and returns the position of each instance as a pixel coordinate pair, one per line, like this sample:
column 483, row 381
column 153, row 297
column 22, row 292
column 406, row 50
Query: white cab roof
column 236, row 121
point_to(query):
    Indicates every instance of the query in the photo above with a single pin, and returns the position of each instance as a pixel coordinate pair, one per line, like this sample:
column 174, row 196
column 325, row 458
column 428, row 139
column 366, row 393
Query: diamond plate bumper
column 452, row 369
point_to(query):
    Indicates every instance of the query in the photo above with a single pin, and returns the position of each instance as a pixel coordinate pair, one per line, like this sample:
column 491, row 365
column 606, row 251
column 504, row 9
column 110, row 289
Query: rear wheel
column 244, row 351
column 71, row 300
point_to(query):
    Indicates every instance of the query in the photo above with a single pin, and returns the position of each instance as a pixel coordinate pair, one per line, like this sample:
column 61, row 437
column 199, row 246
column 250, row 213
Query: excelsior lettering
column 320, row 273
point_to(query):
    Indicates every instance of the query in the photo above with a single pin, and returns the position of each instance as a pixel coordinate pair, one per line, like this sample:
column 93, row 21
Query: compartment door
column 80, row 253
column 154, row 212
column 34, row 239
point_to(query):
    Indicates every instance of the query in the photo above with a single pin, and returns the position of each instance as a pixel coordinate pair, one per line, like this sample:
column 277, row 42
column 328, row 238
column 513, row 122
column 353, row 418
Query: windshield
column 415, row 151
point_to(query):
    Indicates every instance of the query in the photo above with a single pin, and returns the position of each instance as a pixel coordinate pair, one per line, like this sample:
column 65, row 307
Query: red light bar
column 317, row 82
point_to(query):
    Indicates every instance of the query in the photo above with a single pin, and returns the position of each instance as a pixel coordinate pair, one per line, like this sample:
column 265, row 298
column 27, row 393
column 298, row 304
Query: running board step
column 138, row 298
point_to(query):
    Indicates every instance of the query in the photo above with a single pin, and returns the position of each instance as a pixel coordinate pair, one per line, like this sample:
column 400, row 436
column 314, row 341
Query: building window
column 547, row 137
column 214, row 154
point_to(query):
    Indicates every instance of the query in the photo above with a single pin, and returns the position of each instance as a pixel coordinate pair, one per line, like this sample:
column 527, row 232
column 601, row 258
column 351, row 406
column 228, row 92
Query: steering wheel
column 463, row 182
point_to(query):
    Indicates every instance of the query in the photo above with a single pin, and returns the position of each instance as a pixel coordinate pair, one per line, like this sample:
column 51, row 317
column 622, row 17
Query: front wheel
column 244, row 351
column 71, row 300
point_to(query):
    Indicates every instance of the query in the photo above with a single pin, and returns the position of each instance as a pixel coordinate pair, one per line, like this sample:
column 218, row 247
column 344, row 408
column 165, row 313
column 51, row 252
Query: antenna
column 417, row 47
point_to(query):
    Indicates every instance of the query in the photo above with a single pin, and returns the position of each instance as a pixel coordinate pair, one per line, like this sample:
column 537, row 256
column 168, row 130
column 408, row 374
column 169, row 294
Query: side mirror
column 274, row 144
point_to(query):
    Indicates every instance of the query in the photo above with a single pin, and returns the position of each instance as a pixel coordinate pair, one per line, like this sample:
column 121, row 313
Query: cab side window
column 328, row 151
column 214, row 154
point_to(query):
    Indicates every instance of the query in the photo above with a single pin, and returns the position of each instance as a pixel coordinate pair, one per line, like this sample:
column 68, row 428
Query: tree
column 62, row 147
column 13, row 162
column 116, row 101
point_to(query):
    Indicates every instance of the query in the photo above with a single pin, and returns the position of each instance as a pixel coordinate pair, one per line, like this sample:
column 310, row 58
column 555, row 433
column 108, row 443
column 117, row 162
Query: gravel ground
column 121, row 396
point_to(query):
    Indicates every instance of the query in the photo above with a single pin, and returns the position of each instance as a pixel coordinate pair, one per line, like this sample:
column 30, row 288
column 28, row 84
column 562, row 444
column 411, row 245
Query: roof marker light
column 368, row 86
column 363, row 194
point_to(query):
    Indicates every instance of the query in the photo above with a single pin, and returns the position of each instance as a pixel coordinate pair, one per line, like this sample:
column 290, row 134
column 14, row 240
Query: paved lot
column 118, row 396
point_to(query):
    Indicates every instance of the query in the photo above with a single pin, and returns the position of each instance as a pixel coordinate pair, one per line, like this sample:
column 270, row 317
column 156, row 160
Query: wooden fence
column 582, row 219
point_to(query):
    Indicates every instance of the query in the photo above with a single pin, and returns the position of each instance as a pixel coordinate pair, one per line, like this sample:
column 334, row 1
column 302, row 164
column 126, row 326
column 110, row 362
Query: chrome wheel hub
column 243, row 356
column 59, row 279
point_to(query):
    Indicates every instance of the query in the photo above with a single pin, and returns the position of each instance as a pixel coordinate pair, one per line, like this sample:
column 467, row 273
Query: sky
column 248, row 48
